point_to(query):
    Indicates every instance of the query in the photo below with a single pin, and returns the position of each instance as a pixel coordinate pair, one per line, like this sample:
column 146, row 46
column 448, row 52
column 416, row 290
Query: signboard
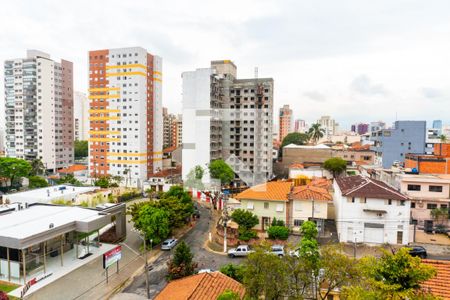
column 33, row 282
column 112, row 256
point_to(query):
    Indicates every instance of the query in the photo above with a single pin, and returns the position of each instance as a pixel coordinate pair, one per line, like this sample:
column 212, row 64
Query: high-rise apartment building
column 171, row 136
column 300, row 126
column 375, row 126
column 81, row 116
column 285, row 121
column 228, row 118
column 360, row 128
column 329, row 125
column 437, row 124
column 126, row 126
column 179, row 135
column 39, row 109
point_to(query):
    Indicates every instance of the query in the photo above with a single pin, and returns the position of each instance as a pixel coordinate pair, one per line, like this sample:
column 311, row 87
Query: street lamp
column 144, row 254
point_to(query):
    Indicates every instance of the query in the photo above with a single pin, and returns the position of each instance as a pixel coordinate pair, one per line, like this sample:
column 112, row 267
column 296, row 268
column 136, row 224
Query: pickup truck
column 241, row 250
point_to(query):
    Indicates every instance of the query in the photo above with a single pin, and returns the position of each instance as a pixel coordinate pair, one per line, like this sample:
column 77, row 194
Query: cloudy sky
column 356, row 60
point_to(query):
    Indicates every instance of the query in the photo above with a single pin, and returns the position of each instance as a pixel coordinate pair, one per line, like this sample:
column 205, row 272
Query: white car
column 242, row 250
column 277, row 250
column 168, row 244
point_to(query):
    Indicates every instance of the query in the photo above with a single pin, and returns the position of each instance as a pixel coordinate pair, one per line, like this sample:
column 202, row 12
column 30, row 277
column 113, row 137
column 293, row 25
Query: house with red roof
column 369, row 211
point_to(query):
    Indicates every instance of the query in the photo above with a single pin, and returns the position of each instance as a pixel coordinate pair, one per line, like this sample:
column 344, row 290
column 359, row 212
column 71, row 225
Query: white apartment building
column 81, row 116
column 369, row 211
column 230, row 119
column 330, row 126
column 126, row 125
column 39, row 109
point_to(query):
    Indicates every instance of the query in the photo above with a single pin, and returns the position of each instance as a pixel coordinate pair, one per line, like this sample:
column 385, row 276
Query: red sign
column 112, row 256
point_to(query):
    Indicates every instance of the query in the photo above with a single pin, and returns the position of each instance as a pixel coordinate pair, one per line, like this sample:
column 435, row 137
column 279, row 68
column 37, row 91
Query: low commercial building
column 268, row 201
column 370, row 211
column 437, row 163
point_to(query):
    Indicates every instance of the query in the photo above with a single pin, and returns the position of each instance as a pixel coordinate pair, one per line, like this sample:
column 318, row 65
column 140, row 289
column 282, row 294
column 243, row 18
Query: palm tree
column 443, row 138
column 37, row 167
column 316, row 132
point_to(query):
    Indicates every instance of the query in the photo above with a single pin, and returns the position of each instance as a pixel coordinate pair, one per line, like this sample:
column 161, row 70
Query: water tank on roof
column 415, row 171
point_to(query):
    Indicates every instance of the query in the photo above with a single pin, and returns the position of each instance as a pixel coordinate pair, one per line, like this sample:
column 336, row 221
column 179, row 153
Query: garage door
column 373, row 233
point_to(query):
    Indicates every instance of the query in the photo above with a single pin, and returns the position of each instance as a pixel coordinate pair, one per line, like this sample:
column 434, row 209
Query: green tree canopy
column 229, row 295
column 278, row 232
column 296, row 138
column 316, row 132
column 244, row 218
column 199, row 171
column 153, row 221
column 81, row 149
column 37, row 182
column 14, row 168
column 37, row 167
column 178, row 211
column 336, row 165
column 219, row 169
column 309, row 230
column 234, row 271
column 392, row 276
column 182, row 263
column 178, row 192
column 70, row 179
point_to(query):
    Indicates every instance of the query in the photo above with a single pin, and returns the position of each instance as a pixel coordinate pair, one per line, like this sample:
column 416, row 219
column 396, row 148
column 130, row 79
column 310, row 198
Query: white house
column 369, row 211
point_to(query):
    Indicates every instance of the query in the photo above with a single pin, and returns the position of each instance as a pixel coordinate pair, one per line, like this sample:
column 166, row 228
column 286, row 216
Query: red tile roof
column 440, row 284
column 203, row 286
column 308, row 192
column 73, row 169
column 296, row 166
column 273, row 190
column 167, row 172
column 321, row 182
column 359, row 186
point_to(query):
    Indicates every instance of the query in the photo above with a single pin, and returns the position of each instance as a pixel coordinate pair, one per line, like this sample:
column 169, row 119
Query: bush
column 128, row 196
column 247, row 234
column 278, row 232
column 234, row 271
column 37, row 182
column 276, row 222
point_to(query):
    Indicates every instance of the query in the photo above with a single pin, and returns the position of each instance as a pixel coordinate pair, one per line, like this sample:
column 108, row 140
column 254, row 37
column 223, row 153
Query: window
column 250, row 205
column 298, row 223
column 413, row 187
column 402, row 202
column 435, row 188
column 431, row 206
column 280, row 207
column 444, row 206
column 266, row 205
column 413, row 204
column 389, row 202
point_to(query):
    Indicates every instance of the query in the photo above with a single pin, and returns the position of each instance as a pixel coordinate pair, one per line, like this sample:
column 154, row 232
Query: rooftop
column 202, row 286
column 73, row 169
column 309, row 192
column 359, row 186
column 273, row 190
column 439, row 285
column 45, row 195
column 320, row 146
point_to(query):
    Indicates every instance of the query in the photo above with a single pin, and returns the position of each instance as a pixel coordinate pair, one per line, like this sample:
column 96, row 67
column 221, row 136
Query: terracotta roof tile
column 438, row 285
column 321, row 182
column 296, row 166
column 203, row 286
column 308, row 192
column 359, row 186
column 274, row 190
column 167, row 172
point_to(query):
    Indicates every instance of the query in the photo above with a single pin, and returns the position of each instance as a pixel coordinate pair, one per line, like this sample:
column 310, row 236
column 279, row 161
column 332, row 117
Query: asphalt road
column 195, row 238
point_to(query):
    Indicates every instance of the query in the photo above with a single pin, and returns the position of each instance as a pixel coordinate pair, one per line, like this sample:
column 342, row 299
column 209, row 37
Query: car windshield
column 165, row 243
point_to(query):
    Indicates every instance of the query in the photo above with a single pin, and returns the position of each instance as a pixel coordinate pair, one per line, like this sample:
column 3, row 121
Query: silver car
column 168, row 244
column 277, row 250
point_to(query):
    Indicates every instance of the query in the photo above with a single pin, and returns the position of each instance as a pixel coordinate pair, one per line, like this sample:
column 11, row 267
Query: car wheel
column 280, row 255
column 231, row 255
column 423, row 256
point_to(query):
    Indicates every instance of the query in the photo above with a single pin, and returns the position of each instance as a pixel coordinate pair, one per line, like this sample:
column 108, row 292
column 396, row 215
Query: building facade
column 39, row 109
column 126, row 122
column 392, row 145
column 369, row 211
column 171, row 131
column 81, row 116
column 329, row 125
column 300, row 126
column 230, row 119
column 375, row 126
column 360, row 128
column 285, row 122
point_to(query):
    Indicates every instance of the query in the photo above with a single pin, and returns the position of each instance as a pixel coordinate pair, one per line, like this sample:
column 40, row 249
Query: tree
column 153, row 221
column 179, row 212
column 440, row 215
column 234, row 271
column 392, row 276
column 81, row 149
column 37, row 182
column 14, row 168
column 199, row 172
column 278, row 232
column 219, row 169
column 296, row 138
column 265, row 275
column 192, row 181
column 315, row 133
column 229, row 295
column 182, row 263
column 70, row 179
column 276, row 222
column 443, row 138
column 336, row 165
column 309, row 230
column 178, row 192
column 244, row 218
column 37, row 167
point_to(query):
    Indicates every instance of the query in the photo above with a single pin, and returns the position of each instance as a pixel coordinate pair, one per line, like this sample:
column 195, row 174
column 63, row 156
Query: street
column 205, row 259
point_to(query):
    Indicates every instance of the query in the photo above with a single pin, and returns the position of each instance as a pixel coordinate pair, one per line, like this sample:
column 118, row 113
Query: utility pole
column 225, row 219
column 146, row 268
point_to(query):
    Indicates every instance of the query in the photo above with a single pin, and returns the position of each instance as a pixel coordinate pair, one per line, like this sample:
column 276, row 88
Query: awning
column 380, row 211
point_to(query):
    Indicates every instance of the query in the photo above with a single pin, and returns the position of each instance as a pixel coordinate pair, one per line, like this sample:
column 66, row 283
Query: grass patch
column 7, row 287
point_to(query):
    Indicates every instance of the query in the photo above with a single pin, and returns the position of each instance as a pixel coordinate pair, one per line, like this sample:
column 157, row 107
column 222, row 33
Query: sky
column 355, row 60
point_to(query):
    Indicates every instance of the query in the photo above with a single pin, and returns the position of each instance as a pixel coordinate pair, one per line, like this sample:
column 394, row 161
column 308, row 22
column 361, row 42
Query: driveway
column 205, row 259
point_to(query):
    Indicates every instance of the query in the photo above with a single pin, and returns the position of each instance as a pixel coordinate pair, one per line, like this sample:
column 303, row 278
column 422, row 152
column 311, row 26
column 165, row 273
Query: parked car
column 277, row 250
column 441, row 229
column 418, row 251
column 205, row 271
column 241, row 250
column 168, row 244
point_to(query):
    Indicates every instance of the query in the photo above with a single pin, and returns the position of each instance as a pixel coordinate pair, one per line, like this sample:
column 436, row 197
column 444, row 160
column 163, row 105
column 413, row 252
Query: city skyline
column 316, row 73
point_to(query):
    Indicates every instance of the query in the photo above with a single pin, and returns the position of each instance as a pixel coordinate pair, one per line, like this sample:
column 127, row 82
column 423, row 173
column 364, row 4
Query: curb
column 206, row 247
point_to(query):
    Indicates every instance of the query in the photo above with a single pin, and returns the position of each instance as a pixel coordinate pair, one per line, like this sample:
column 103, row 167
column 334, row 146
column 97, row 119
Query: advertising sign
column 112, row 256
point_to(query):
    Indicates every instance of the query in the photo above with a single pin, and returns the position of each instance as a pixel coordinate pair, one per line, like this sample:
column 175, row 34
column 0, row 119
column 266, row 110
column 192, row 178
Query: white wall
column 196, row 125
column 351, row 215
